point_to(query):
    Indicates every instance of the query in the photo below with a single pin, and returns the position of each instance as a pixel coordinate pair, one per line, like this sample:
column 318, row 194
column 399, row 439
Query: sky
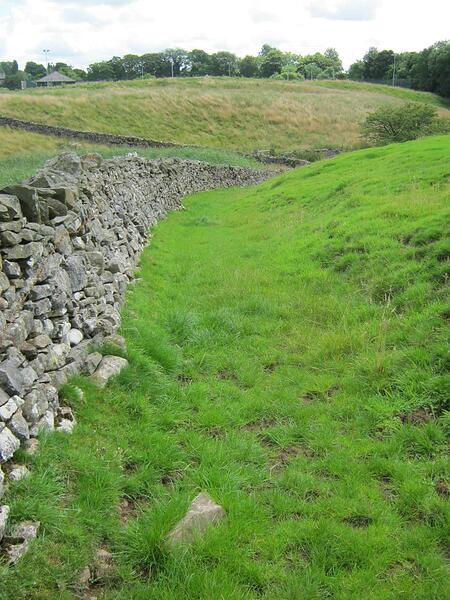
column 80, row 32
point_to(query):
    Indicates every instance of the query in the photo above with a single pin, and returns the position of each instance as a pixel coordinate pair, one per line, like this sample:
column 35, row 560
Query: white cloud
column 84, row 31
column 345, row 10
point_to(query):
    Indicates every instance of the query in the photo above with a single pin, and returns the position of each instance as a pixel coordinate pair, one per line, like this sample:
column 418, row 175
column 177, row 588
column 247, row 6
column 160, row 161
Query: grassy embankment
column 286, row 348
column 233, row 114
column 22, row 153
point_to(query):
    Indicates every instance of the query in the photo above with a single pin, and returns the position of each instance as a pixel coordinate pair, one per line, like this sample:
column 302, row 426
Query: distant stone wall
column 87, row 136
column 70, row 238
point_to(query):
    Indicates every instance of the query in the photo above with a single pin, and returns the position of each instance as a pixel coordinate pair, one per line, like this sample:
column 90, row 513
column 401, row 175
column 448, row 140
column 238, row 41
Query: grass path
column 286, row 355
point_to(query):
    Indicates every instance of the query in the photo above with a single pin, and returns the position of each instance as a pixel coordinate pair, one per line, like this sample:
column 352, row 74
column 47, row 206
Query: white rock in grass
column 109, row 367
column 8, row 444
column 18, row 543
column 202, row 513
column 2, row 483
column 18, row 473
column 66, row 426
column 4, row 514
column 31, row 446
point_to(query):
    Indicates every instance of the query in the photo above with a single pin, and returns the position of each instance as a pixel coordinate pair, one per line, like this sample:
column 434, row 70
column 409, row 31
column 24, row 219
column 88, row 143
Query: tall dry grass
column 225, row 113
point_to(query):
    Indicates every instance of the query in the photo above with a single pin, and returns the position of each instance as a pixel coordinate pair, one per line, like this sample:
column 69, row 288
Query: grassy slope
column 280, row 343
column 227, row 113
column 22, row 153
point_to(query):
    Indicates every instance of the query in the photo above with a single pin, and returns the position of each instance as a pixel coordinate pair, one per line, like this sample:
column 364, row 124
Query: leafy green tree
column 100, row 71
column 224, row 63
column 79, row 74
column 133, row 66
column 179, row 58
column 155, row 64
column 200, row 63
column 266, row 48
column 271, row 63
column 310, row 70
column 441, row 71
column 10, row 67
column 356, row 71
column 378, row 64
column 289, row 73
column 13, row 81
column 117, row 68
column 399, row 124
column 333, row 60
column 248, row 66
column 35, row 70
column 431, row 71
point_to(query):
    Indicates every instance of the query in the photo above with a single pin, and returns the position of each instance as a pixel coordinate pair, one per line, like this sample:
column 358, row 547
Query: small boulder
column 18, row 543
column 18, row 472
column 75, row 337
column 202, row 513
column 109, row 367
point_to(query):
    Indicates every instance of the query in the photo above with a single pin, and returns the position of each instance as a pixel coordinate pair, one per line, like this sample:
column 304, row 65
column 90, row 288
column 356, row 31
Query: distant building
column 2, row 77
column 55, row 78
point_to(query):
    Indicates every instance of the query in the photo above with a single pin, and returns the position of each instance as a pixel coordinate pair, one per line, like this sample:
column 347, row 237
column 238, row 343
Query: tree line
column 426, row 70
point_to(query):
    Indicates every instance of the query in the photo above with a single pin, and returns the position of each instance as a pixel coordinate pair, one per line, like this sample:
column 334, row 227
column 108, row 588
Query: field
column 232, row 114
column 286, row 348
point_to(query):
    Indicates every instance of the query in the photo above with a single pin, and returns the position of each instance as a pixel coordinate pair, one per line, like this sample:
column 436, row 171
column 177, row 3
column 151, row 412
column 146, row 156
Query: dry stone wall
column 70, row 238
column 88, row 136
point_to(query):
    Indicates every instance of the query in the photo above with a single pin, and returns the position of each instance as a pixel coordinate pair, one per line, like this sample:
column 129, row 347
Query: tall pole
column 171, row 65
column 46, row 57
column 393, row 74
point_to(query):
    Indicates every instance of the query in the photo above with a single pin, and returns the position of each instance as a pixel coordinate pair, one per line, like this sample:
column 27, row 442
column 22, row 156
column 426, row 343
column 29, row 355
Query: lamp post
column 46, row 53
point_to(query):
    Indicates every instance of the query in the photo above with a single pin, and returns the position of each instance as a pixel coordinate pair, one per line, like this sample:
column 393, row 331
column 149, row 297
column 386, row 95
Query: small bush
column 400, row 124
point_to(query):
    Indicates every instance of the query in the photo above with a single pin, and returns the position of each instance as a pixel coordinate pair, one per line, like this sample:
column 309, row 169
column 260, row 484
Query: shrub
column 400, row 124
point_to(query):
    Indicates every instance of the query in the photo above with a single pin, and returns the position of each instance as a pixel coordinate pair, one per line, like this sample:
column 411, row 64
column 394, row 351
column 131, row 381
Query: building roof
column 56, row 77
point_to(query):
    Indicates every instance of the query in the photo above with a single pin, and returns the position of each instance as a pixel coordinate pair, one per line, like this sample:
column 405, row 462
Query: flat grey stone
column 8, row 409
column 109, row 367
column 9, row 208
column 11, row 378
column 8, row 444
column 34, row 249
column 202, row 513
column 29, row 201
column 4, row 397
column 19, row 426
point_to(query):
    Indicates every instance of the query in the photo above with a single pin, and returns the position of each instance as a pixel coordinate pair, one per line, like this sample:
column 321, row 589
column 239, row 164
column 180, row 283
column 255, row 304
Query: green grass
column 398, row 92
column 228, row 113
column 22, row 153
column 286, row 348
